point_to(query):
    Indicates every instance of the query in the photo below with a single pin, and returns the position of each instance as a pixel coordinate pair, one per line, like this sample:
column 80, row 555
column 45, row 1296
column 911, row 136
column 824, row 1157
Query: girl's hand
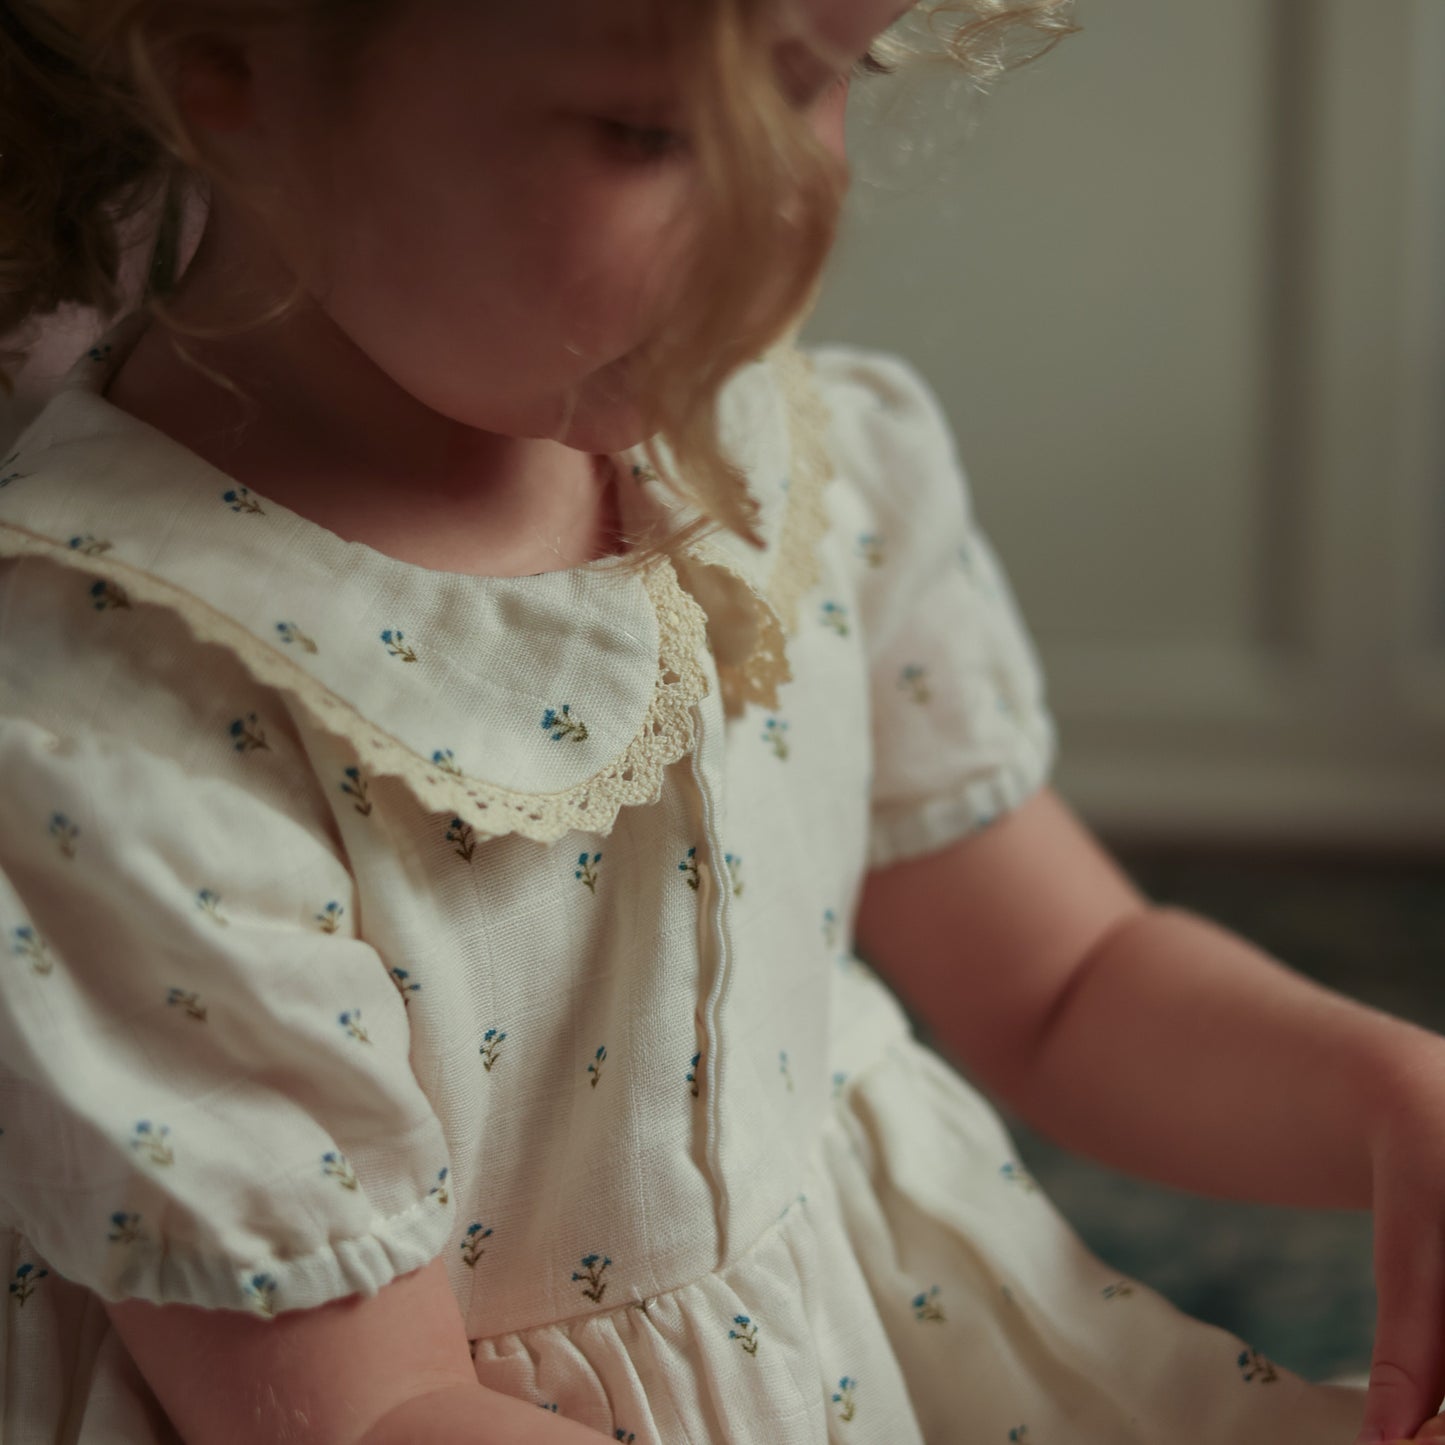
column 1407, row 1374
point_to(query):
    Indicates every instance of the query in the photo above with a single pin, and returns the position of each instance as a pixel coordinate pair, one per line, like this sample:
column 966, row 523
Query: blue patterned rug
column 1297, row 1285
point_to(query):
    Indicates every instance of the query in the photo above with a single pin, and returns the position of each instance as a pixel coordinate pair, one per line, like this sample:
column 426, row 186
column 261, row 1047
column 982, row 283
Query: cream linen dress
column 354, row 913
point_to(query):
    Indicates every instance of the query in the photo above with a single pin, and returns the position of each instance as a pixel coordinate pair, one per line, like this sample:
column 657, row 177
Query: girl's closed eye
column 645, row 142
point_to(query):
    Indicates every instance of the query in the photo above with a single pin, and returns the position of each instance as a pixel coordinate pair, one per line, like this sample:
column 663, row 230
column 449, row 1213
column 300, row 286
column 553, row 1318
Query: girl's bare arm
column 390, row 1370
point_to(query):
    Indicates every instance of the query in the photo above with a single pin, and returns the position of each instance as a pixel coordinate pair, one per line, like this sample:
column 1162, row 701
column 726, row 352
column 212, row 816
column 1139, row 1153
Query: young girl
column 469, row 685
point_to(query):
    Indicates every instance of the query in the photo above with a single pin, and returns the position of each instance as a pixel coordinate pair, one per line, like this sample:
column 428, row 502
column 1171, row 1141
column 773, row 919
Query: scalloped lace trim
column 634, row 776
column 796, row 567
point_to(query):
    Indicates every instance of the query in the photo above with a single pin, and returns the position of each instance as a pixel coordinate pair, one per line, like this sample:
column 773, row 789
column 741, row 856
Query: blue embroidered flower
column 446, row 760
column 64, row 832
column 23, row 1285
column 692, row 1073
column 125, row 1228
column 438, row 1191
column 29, row 944
column 561, row 724
column 490, row 1041
column 290, row 633
column 734, row 864
column 471, row 1246
column 914, row 680
column 191, row 1002
column 747, row 1332
column 249, row 734
column 459, row 835
column 239, row 499
column 595, row 1067
column 844, row 1396
column 209, row 902
column 773, row 732
column 351, row 1022
column 108, row 594
column 870, row 548
column 355, row 787
column 261, row 1293
column 926, row 1306
column 1254, row 1365
column 835, row 615
column 397, row 645
column 402, row 979
column 338, row 1167
column 596, row 1286
column 689, row 867
column 152, row 1141
column 85, row 544
column 587, row 870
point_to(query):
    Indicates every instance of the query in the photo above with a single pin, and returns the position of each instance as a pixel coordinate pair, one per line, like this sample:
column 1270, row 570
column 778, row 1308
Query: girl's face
column 495, row 202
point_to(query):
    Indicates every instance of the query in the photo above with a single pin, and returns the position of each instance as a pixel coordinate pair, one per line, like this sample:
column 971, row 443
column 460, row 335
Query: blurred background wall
column 1182, row 293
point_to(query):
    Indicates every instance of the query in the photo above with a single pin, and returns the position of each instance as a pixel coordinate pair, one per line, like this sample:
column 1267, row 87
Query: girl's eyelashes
column 642, row 143
column 870, row 64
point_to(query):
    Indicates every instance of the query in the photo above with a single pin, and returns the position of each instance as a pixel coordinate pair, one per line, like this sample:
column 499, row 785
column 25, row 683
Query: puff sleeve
column 206, row 1094
column 961, row 728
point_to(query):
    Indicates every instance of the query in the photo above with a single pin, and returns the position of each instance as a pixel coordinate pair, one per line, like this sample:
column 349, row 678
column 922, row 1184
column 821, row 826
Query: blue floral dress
column 354, row 914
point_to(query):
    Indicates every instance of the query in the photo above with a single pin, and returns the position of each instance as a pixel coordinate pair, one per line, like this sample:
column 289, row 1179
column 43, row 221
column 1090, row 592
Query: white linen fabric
column 354, row 913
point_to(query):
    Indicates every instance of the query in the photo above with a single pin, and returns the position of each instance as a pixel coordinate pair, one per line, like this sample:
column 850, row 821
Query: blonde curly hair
column 91, row 142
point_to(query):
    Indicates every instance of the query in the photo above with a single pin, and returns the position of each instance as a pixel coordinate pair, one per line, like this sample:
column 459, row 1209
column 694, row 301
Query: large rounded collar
column 534, row 705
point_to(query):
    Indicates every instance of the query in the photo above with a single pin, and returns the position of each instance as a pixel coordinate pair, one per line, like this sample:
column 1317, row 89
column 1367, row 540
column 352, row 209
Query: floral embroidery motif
column 914, row 681
column 1254, row 1365
column 595, row 1067
column 689, row 866
column 446, row 760
column 1119, row 1290
column 99, row 353
column 125, row 1228
column 239, row 499
column 351, row 1022
column 108, row 594
column 835, row 615
column 692, row 1073
column 460, row 836
column 10, row 476
column 562, row 724
column 830, row 928
column 839, row 1079
column 641, row 475
column 870, row 548
column 23, row 1285
column 291, row 633
column 355, row 787
column 65, row 833
column 397, row 645
column 1017, row 1174
column 747, row 1333
column 438, row 1191
column 209, row 901
column 399, row 977
column 151, row 1140
column 926, row 1306
column 471, row 1246
column 86, row 544
column 189, row 1001
column 338, row 1166
column 261, row 1294
column 844, row 1396
column 29, row 944
column 597, row 1286
column 783, row 1068
column 249, row 734
column 627, row 1436
column 330, row 917
column 733, row 863
column 490, row 1040
column 1019, row 1435
column 773, row 735
column 587, row 870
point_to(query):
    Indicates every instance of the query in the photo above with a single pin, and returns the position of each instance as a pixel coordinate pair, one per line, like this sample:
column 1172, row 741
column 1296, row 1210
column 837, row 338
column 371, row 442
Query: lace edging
column 796, row 567
column 666, row 733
